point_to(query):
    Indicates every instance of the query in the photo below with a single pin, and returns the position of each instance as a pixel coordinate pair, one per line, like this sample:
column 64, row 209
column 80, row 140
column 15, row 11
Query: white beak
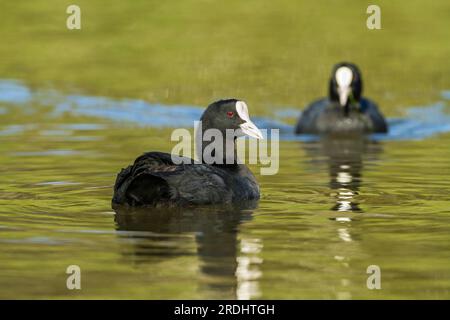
column 344, row 77
column 250, row 129
column 343, row 92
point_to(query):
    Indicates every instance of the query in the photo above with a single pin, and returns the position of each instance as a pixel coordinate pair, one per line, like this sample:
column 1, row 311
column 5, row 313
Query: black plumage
column 156, row 180
column 345, row 110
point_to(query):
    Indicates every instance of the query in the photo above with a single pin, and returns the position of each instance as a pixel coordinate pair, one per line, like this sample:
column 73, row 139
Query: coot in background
column 155, row 179
column 345, row 110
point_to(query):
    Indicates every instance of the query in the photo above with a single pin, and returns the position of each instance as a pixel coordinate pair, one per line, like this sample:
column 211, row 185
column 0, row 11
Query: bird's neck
column 221, row 152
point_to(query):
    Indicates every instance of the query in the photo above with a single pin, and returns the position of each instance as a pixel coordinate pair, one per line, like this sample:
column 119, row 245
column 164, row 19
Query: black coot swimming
column 155, row 179
column 344, row 111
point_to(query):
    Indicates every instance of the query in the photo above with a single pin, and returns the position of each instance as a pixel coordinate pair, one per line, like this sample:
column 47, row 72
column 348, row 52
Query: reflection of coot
column 159, row 233
column 345, row 158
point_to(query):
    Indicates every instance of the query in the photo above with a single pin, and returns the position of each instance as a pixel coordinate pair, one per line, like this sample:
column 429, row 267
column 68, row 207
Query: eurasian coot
column 344, row 110
column 156, row 179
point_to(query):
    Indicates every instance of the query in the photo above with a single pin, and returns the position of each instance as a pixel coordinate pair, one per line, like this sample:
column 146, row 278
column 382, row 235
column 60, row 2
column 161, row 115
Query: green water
column 55, row 211
column 333, row 209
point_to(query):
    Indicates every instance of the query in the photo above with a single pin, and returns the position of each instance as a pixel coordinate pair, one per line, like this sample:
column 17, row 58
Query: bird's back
column 154, row 179
column 328, row 117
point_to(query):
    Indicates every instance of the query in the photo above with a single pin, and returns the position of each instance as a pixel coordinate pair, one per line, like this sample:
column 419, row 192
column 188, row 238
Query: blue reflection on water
column 419, row 122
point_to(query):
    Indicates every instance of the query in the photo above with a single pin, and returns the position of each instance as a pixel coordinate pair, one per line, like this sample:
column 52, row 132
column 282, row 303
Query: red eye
column 230, row 114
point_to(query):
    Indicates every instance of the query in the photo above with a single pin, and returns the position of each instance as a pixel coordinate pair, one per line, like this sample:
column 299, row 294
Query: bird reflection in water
column 345, row 157
column 164, row 233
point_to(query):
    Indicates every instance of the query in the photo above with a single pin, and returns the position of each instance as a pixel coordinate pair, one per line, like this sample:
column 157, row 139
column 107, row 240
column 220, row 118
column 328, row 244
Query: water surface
column 334, row 208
